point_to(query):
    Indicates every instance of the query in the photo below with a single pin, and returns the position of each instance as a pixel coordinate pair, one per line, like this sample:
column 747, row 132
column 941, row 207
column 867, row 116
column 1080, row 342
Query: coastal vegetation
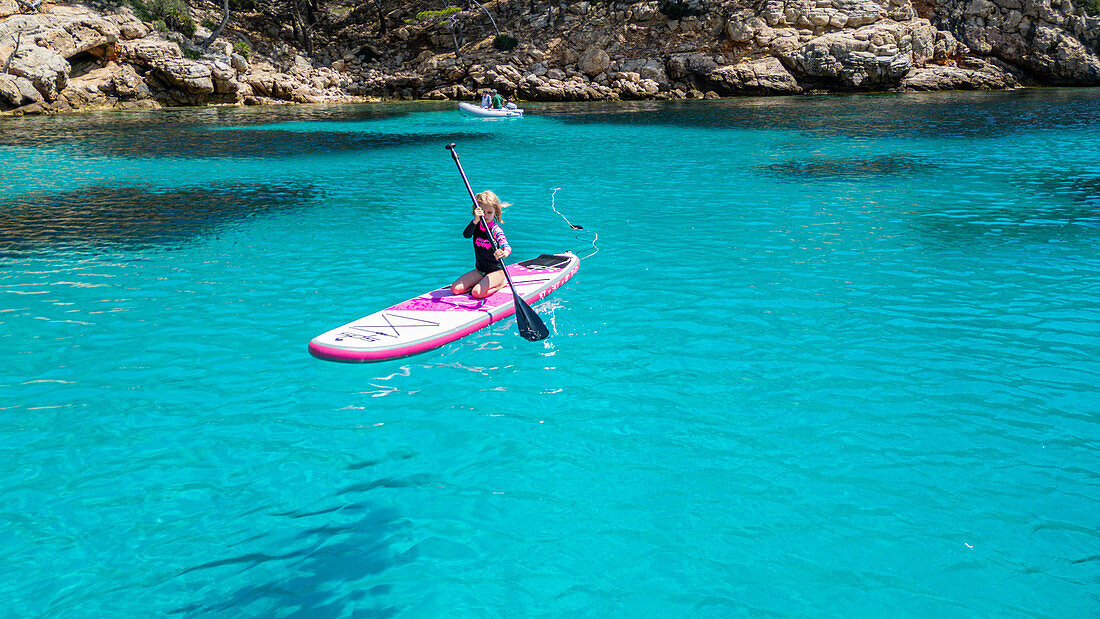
column 433, row 15
column 173, row 14
column 120, row 53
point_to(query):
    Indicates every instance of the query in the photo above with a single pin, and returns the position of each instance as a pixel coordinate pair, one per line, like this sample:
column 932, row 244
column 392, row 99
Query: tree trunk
column 301, row 29
column 381, row 18
column 218, row 30
column 489, row 14
column 18, row 38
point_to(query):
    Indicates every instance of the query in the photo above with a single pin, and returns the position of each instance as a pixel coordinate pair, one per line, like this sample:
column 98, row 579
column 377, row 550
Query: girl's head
column 491, row 204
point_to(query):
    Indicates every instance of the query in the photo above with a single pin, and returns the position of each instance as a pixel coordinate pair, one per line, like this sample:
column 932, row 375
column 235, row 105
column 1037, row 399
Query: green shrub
column 242, row 5
column 193, row 54
column 433, row 15
column 504, row 42
column 675, row 9
column 164, row 14
column 209, row 24
column 242, row 48
column 174, row 13
column 1092, row 7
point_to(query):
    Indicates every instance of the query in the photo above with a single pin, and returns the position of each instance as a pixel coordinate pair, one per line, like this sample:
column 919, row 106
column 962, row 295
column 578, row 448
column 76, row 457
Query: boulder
column 239, row 63
column 10, row 93
column 456, row 92
column 132, row 29
column 1062, row 58
column 935, row 77
column 127, row 84
column 681, row 66
column 30, row 93
column 764, row 76
column 740, row 31
column 593, row 61
column 149, row 53
column 90, row 34
column 262, row 84
column 189, row 76
column 648, row 69
column 866, row 58
column 223, row 76
column 645, row 11
column 45, row 68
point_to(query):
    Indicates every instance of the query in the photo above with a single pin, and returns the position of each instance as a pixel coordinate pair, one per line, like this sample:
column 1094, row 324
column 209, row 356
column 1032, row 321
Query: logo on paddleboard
column 371, row 332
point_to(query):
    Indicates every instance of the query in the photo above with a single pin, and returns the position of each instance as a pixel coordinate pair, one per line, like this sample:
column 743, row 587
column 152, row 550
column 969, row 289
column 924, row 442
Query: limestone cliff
column 60, row 56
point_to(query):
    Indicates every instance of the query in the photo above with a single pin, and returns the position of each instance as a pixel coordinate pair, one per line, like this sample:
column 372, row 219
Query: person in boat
column 486, row 100
column 498, row 101
column 487, row 275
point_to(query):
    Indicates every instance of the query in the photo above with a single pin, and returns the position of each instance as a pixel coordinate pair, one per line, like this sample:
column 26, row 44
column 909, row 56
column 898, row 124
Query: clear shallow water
column 835, row 356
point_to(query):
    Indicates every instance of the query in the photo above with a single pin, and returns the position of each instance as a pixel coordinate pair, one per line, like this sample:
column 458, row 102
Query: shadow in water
column 855, row 168
column 328, row 561
column 98, row 218
column 392, row 456
column 172, row 134
column 1082, row 188
column 323, row 569
column 1044, row 221
column 244, row 144
column 932, row 115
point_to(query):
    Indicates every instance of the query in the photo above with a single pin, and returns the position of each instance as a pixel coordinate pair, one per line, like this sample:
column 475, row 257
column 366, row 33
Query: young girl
column 488, row 275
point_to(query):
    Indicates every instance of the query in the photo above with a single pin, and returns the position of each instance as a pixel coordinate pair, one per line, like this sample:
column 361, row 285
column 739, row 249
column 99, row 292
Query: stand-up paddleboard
column 431, row 320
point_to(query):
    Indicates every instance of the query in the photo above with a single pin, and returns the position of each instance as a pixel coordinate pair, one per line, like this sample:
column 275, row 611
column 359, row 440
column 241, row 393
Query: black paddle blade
column 530, row 325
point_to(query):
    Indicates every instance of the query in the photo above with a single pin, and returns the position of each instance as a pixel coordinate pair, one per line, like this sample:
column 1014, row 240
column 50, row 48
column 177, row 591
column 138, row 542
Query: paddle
column 529, row 323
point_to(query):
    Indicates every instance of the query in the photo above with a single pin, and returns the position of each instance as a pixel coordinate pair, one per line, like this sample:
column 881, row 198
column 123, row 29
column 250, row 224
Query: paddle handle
column 454, row 155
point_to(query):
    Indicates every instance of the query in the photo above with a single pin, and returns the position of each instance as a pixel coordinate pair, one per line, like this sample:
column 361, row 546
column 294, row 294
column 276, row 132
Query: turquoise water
column 834, row 356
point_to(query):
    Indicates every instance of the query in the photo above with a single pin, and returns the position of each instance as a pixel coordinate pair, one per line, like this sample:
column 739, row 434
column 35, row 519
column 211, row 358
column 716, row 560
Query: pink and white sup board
column 436, row 318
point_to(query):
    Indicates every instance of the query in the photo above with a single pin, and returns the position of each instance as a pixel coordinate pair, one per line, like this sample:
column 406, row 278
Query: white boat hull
column 477, row 110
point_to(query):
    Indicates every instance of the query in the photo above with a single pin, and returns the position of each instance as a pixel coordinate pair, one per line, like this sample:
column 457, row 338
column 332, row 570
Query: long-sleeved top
column 483, row 247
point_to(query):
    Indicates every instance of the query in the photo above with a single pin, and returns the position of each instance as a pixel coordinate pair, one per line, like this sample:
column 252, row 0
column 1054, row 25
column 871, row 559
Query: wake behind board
column 436, row 318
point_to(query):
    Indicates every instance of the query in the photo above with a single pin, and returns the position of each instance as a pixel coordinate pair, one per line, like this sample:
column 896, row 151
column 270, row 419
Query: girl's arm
column 502, row 241
column 470, row 229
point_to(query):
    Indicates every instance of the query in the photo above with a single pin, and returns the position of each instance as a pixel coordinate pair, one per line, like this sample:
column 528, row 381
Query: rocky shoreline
column 60, row 57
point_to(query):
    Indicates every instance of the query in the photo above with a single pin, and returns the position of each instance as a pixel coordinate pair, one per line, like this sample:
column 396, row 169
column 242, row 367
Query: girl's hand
column 500, row 254
column 478, row 213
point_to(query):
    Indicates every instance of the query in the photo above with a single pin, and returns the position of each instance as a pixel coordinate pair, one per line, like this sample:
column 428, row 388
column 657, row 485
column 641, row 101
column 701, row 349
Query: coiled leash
column 580, row 235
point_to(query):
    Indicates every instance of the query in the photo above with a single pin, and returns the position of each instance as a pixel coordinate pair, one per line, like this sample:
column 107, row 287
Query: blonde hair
column 489, row 200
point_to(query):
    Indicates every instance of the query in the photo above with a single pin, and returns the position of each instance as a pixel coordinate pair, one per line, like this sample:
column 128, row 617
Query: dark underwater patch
column 1083, row 189
column 98, row 218
column 1040, row 222
column 268, row 143
column 330, row 570
column 936, row 115
column 855, row 168
column 189, row 135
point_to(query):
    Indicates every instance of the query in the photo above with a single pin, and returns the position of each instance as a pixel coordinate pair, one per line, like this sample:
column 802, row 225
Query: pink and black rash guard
column 483, row 247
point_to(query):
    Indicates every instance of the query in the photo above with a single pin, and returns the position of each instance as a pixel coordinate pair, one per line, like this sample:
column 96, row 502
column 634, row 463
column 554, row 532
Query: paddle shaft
column 529, row 323
column 473, row 197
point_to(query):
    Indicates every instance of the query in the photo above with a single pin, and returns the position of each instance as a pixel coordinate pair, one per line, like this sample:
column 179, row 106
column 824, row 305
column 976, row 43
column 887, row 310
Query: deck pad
column 438, row 317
